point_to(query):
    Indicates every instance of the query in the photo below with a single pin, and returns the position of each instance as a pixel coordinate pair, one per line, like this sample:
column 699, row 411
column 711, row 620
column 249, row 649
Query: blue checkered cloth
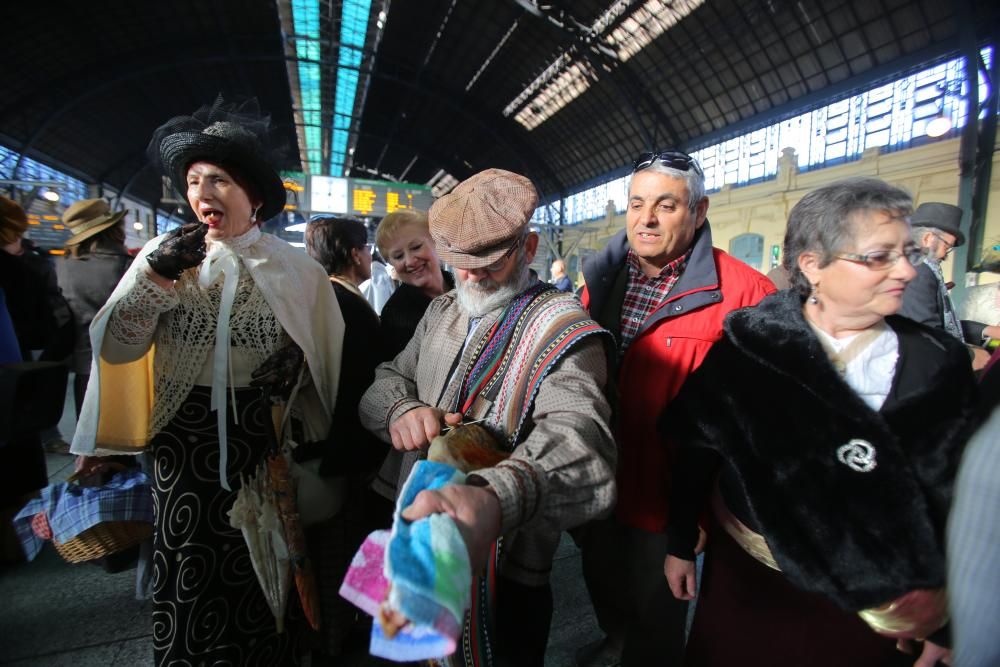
column 72, row 509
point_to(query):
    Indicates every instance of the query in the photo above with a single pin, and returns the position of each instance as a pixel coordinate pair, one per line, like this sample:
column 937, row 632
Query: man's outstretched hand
column 475, row 510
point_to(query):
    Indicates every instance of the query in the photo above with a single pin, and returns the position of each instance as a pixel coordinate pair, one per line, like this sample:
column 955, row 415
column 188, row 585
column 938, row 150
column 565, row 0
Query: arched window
column 748, row 248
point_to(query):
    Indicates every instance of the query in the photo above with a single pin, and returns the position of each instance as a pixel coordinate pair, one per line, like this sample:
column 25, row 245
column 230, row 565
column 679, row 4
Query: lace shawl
column 182, row 325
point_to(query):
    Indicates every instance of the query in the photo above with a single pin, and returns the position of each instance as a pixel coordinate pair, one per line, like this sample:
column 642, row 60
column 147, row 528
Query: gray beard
column 477, row 299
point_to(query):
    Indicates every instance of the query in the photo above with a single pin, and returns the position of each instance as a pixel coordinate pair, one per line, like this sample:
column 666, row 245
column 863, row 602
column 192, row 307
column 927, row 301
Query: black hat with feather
column 234, row 137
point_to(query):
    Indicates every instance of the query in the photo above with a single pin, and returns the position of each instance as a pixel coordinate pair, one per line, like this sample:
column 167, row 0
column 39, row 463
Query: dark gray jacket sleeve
column 972, row 332
column 922, row 300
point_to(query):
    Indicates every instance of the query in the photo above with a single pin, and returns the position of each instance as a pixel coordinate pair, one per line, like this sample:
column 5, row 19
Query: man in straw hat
column 936, row 228
column 526, row 360
column 87, row 218
column 95, row 260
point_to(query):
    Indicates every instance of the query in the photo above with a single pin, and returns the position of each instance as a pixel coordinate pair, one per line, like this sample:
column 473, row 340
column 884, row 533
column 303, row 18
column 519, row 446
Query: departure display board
column 47, row 231
column 362, row 197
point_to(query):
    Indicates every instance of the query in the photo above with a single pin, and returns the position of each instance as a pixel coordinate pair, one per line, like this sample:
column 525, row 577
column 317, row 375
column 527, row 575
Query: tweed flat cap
column 938, row 215
column 476, row 224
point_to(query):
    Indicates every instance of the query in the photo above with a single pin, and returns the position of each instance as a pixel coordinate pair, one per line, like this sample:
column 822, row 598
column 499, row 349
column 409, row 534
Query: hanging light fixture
column 50, row 195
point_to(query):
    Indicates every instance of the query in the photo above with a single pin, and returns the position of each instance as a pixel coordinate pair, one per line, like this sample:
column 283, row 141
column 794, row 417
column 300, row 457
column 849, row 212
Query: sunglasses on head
column 673, row 159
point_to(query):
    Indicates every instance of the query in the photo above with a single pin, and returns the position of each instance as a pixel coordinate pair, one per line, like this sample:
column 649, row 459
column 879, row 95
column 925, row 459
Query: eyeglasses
column 882, row 260
column 950, row 246
column 500, row 263
column 673, row 159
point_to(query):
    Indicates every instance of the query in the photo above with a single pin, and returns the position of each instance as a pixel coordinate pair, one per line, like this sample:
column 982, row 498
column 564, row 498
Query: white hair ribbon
column 221, row 259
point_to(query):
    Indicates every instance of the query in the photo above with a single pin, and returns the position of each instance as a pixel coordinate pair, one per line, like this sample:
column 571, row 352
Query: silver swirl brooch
column 858, row 455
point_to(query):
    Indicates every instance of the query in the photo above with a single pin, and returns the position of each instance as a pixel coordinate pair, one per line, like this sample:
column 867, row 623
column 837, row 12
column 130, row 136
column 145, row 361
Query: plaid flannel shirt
column 643, row 294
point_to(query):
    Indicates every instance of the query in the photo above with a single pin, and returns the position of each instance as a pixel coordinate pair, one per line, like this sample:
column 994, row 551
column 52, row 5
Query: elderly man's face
column 659, row 224
column 482, row 290
column 939, row 244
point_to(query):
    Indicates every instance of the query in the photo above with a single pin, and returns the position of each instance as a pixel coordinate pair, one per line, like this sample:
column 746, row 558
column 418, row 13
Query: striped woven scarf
column 513, row 357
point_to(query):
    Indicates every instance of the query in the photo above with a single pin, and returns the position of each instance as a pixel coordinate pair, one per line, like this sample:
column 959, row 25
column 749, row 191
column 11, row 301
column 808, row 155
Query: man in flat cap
column 935, row 227
column 525, row 359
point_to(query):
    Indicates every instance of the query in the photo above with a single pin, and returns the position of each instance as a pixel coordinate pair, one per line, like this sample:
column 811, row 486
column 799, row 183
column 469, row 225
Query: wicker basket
column 104, row 539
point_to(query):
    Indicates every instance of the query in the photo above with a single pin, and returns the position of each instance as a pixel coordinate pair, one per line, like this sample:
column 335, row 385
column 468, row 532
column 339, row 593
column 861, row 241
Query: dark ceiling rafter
column 452, row 164
column 634, row 92
column 416, row 80
column 68, row 105
column 499, row 129
column 736, row 44
column 53, row 92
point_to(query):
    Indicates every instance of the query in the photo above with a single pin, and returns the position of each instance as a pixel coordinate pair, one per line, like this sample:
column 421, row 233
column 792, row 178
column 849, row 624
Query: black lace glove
column 183, row 248
column 279, row 372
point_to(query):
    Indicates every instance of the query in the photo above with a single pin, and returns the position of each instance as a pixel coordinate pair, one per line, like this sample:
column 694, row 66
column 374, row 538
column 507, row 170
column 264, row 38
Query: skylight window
column 442, row 183
column 566, row 87
column 570, row 75
column 353, row 30
column 324, row 96
column 647, row 22
column 305, row 19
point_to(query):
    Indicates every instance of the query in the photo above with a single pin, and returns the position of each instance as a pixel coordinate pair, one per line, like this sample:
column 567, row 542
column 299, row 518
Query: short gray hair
column 917, row 233
column 823, row 220
column 694, row 178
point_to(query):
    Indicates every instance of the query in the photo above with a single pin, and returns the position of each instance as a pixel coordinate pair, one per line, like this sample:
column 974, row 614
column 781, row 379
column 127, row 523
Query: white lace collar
column 241, row 242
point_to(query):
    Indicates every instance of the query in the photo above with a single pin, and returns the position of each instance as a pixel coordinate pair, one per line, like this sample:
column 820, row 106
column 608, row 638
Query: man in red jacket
column 662, row 289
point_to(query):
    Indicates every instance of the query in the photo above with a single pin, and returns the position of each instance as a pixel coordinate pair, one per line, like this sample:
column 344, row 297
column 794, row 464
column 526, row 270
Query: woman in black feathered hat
column 207, row 315
column 822, row 435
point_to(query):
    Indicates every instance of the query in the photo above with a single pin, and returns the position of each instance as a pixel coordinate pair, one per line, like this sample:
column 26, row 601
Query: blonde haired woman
column 404, row 240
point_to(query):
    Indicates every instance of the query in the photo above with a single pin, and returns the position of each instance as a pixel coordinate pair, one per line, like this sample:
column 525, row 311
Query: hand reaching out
column 475, row 510
column 182, row 249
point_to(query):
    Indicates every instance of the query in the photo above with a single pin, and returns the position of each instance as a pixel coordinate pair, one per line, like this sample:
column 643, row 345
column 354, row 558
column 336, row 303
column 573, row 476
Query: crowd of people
column 806, row 443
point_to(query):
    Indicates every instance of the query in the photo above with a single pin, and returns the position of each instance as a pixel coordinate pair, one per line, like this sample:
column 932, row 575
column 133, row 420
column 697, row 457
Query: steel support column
column 967, row 146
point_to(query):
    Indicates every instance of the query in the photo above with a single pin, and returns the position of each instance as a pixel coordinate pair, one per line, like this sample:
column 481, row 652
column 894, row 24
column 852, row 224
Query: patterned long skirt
column 208, row 608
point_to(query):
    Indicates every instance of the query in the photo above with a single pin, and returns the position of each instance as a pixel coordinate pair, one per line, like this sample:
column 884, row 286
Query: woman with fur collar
column 824, row 434
column 210, row 320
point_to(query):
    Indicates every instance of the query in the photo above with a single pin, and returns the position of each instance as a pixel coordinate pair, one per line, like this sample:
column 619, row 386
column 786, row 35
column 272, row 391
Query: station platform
column 55, row 614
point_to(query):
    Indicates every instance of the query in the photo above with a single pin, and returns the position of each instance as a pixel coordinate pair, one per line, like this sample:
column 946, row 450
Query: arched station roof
column 561, row 91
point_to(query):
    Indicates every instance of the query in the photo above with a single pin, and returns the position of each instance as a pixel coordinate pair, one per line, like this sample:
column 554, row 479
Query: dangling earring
column 253, row 216
column 813, row 299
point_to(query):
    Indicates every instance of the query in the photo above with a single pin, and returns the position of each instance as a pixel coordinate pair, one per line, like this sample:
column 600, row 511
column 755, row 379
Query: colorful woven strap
column 493, row 345
column 513, row 357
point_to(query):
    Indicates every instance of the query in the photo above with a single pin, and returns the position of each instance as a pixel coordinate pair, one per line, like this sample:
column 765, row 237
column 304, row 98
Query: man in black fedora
column 935, row 227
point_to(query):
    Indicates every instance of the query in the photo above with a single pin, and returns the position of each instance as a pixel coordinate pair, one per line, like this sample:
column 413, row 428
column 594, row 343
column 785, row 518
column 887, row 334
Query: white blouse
column 869, row 372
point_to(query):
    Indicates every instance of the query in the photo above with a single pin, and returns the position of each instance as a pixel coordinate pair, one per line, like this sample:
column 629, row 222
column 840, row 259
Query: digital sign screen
column 365, row 197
